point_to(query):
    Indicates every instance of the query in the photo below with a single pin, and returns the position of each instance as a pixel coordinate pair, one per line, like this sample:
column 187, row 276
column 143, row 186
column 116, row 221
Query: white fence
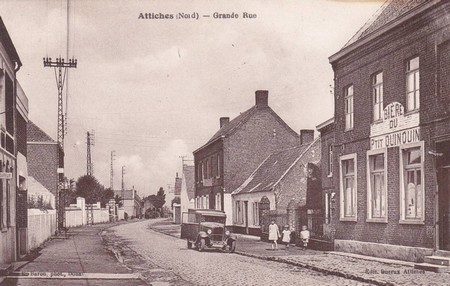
column 41, row 225
column 77, row 214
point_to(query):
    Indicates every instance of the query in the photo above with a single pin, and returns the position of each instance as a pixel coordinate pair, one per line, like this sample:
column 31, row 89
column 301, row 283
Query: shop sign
column 395, row 129
column 395, row 139
column 5, row 175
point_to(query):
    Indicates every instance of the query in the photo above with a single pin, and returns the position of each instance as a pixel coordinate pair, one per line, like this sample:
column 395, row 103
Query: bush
column 125, row 216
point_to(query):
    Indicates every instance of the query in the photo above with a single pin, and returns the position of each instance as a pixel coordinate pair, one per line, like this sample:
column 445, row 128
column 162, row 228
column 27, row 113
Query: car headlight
column 227, row 232
column 209, row 231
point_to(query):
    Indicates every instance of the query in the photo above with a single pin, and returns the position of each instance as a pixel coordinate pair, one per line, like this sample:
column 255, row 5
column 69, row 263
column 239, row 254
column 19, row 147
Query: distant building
column 133, row 205
column 233, row 153
column 9, row 66
column 176, row 207
column 391, row 152
column 288, row 176
column 187, row 188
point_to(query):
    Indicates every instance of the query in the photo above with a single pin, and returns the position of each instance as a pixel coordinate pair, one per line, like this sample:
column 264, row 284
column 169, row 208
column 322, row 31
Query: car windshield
column 209, row 218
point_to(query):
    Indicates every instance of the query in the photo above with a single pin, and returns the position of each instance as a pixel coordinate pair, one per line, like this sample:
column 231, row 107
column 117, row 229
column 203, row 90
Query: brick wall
column 42, row 164
column 389, row 54
column 244, row 150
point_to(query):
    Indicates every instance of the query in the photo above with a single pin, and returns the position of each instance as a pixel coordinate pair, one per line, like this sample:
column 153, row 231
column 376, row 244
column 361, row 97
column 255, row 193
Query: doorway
column 443, row 204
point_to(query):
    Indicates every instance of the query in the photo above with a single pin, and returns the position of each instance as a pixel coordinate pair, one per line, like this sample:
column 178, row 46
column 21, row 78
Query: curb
column 303, row 265
column 315, row 268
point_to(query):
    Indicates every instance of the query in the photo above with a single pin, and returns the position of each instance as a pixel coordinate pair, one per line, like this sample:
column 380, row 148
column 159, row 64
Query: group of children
column 274, row 235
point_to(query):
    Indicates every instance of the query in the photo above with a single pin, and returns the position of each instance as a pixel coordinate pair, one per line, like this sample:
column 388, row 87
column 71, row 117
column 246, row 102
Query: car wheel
column 189, row 244
column 201, row 245
column 233, row 246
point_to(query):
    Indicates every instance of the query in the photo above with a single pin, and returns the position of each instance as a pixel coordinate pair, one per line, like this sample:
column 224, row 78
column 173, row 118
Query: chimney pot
column 262, row 98
column 224, row 121
column 306, row 136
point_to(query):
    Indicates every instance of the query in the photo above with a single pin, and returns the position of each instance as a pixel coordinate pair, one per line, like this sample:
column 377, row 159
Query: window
column 412, row 192
column 377, row 95
column 219, row 168
column 348, row 187
column 239, row 219
column 327, row 208
column 330, row 160
column 218, row 202
column 199, row 172
column 255, row 213
column 376, row 191
column 412, row 84
column 348, row 98
column 203, row 171
column 8, row 203
column 207, row 202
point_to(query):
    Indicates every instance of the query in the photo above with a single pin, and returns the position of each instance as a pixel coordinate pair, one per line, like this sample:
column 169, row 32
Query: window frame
column 354, row 217
column 416, row 91
column 402, row 149
column 351, row 98
column 370, row 218
column 377, row 86
column 255, row 213
column 330, row 160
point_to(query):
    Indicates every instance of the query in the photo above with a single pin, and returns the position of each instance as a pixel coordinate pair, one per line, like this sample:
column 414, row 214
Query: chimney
column 224, row 121
column 261, row 98
column 306, row 136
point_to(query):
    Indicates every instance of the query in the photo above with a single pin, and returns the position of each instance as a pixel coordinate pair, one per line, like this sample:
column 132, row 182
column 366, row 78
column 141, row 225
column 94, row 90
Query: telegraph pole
column 59, row 65
column 90, row 142
column 111, row 178
column 123, row 186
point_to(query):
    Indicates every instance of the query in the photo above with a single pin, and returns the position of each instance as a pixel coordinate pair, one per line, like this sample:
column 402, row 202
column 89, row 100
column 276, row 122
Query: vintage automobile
column 206, row 229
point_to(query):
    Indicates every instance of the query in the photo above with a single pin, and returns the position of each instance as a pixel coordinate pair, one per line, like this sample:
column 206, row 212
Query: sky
column 153, row 90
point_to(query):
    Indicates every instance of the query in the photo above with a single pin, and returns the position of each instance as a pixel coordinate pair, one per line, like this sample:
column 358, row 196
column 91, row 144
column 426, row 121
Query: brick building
column 284, row 177
column 234, row 152
column 391, row 166
column 43, row 155
column 9, row 65
column 326, row 130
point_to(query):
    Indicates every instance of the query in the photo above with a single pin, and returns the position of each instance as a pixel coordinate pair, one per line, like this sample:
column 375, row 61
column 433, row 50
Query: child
column 286, row 236
column 304, row 236
column 274, row 234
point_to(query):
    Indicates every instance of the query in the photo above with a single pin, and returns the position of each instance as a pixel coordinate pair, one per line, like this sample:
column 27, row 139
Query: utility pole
column 111, row 178
column 90, row 141
column 123, row 186
column 60, row 67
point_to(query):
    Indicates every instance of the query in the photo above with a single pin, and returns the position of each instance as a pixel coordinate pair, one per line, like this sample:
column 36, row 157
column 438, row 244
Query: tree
column 107, row 195
column 159, row 199
column 89, row 188
column 118, row 200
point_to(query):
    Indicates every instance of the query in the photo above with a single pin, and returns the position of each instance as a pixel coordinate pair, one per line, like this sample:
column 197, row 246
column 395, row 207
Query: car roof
column 207, row 212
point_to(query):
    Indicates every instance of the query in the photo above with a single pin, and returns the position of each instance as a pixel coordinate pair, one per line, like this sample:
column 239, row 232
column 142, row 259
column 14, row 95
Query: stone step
column 443, row 253
column 437, row 260
column 5, row 269
column 431, row 267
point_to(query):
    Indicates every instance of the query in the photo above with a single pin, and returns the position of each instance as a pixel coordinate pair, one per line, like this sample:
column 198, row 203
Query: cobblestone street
column 212, row 268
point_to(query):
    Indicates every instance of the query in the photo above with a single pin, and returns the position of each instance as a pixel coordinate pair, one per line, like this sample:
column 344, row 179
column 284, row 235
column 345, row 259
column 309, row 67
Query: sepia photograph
column 209, row 142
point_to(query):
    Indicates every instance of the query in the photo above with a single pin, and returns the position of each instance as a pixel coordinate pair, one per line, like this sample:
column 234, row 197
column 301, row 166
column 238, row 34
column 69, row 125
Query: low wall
column 101, row 215
column 406, row 253
column 74, row 217
column 41, row 226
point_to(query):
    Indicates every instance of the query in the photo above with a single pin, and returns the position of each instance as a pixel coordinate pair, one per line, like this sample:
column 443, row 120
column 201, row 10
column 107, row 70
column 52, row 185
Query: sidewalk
column 366, row 269
column 80, row 259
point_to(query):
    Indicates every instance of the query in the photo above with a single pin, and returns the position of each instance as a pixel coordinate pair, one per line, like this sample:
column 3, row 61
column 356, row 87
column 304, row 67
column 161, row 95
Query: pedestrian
column 286, row 236
column 274, row 234
column 304, row 236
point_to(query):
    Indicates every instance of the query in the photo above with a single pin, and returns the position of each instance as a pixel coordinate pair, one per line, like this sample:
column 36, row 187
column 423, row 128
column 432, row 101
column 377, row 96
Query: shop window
column 218, row 202
column 412, row 191
column 376, row 187
column 348, row 187
column 377, row 95
column 412, row 84
column 348, row 98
